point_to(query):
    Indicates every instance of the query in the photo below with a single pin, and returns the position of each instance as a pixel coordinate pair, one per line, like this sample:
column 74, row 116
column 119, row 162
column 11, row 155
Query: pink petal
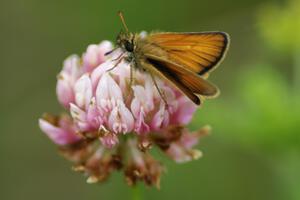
column 59, row 135
column 122, row 74
column 94, row 55
column 188, row 140
column 66, row 80
column 105, row 46
column 90, row 58
column 140, row 124
column 171, row 99
column 108, row 93
column 80, row 118
column 185, row 111
column 121, row 119
column 72, row 67
column 109, row 140
column 142, row 98
column 64, row 91
column 83, row 91
column 94, row 117
column 141, row 105
column 121, row 71
column 161, row 118
column 178, row 154
column 126, row 117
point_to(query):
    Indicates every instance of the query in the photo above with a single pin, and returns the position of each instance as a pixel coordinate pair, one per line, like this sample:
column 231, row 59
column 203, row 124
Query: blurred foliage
column 271, row 112
column 265, row 112
column 280, row 25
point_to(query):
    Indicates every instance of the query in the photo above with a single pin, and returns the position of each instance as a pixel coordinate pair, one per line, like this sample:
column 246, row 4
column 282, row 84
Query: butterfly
column 182, row 59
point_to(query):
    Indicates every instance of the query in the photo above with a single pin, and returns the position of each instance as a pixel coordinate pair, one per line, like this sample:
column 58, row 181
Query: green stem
column 137, row 193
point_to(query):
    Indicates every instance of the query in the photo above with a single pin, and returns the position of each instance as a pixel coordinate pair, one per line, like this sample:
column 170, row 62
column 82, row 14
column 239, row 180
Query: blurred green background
column 254, row 151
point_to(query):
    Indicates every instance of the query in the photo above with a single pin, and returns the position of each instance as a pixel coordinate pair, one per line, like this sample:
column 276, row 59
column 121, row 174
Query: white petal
column 83, row 91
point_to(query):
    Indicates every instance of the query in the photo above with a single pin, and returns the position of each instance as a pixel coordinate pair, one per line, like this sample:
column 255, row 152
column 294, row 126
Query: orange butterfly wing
column 187, row 81
column 197, row 52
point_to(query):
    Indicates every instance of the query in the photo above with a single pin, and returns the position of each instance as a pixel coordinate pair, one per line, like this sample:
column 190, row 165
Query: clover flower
column 115, row 120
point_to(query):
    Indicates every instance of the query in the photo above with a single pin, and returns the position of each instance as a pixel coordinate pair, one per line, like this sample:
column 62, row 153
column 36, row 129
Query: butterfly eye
column 128, row 46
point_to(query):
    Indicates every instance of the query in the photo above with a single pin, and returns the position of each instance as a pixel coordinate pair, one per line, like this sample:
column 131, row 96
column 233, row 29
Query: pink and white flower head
column 111, row 110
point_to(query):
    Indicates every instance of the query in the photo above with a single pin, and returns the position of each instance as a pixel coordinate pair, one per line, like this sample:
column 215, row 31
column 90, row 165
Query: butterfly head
column 126, row 41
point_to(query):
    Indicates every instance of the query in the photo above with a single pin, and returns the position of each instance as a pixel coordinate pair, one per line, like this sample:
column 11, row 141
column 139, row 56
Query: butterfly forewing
column 197, row 52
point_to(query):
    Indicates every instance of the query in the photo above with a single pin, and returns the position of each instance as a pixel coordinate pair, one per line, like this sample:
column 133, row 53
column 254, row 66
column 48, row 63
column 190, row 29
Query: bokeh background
column 254, row 150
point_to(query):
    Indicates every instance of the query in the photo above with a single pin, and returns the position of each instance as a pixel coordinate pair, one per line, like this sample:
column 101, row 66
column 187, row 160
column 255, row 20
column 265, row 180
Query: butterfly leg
column 161, row 93
column 131, row 82
column 119, row 60
column 131, row 77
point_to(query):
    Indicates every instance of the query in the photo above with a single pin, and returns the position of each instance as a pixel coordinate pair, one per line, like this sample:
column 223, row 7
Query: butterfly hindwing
column 187, row 81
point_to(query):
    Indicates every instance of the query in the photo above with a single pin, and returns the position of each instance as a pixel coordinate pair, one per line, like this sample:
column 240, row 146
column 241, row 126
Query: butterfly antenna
column 123, row 21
